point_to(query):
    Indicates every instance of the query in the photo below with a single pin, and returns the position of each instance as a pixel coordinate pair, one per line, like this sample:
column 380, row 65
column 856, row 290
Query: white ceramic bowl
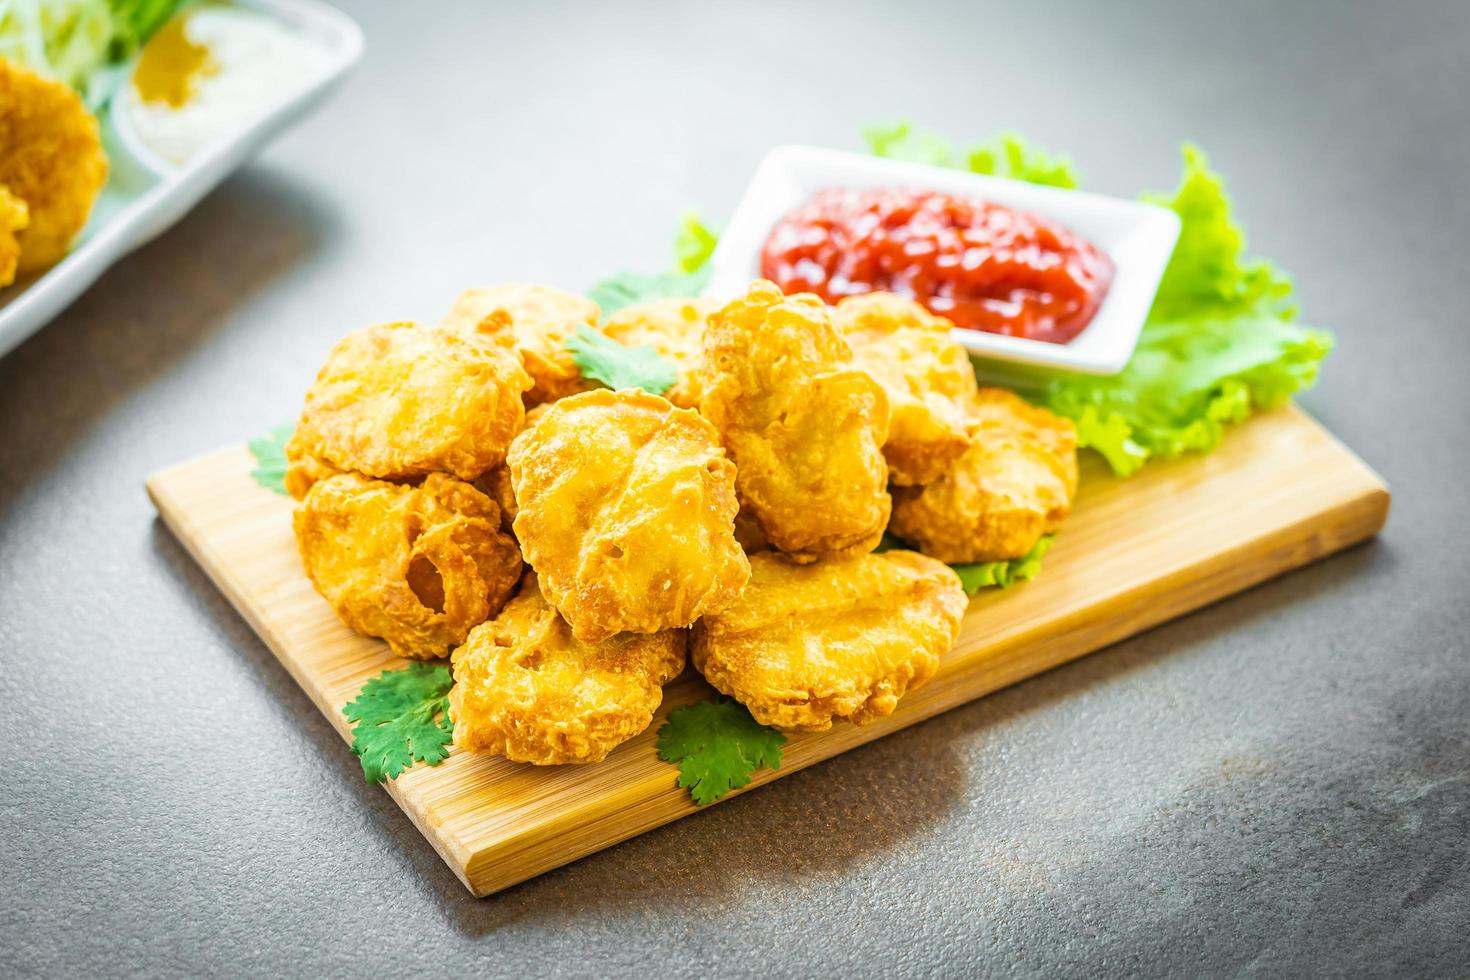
column 1138, row 237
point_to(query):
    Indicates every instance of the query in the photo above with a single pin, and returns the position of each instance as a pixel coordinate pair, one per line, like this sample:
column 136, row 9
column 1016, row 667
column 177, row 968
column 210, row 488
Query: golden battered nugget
column 541, row 320
column 496, row 485
column 1012, row 486
column 400, row 401
column 50, row 158
column 673, row 327
column 14, row 216
column 525, row 688
column 419, row 566
column 303, row 470
column 841, row 639
column 626, row 509
column 926, row 375
column 804, row 426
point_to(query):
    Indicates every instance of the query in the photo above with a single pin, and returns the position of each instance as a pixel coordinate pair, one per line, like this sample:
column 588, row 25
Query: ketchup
column 982, row 265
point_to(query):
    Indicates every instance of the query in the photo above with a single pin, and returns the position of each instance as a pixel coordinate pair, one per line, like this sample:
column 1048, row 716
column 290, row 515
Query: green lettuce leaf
column 1005, row 155
column 77, row 41
column 1220, row 343
column 985, row 574
column 694, row 243
column 1003, row 574
column 1207, row 269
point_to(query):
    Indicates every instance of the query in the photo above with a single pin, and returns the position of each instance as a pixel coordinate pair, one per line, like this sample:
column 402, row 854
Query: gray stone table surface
column 1275, row 786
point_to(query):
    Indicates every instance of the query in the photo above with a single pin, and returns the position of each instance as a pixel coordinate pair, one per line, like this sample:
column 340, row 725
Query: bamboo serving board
column 1279, row 493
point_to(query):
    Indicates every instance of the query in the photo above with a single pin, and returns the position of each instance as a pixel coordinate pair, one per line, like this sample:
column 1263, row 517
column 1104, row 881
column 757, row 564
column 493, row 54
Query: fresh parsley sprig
column 718, row 747
column 270, row 458
column 694, row 243
column 601, row 358
column 401, row 717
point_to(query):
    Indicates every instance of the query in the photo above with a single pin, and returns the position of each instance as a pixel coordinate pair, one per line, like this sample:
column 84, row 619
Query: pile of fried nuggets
column 734, row 519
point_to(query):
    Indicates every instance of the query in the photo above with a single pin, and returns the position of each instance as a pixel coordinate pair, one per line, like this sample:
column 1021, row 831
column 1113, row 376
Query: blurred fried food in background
column 51, row 160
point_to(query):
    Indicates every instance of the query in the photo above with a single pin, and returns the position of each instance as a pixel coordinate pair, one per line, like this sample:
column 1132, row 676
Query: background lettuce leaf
column 1207, row 269
column 76, row 41
column 1005, row 155
column 1220, row 343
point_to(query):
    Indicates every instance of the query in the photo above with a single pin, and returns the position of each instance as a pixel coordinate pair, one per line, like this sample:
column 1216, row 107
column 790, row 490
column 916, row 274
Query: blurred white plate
column 146, row 194
column 1138, row 237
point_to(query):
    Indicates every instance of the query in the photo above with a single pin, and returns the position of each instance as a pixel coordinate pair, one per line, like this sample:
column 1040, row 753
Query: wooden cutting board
column 1281, row 492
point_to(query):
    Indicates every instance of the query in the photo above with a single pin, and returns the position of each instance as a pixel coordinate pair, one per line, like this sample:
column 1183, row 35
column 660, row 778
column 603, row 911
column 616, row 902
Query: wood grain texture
column 1281, row 492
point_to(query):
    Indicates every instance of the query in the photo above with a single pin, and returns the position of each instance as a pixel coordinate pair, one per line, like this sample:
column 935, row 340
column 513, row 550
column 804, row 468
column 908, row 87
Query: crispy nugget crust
column 303, row 470
column 496, row 485
column 626, row 509
column 843, row 638
column 927, row 377
column 13, row 217
column 803, row 425
column 399, row 401
column 673, row 327
column 51, row 158
column 525, row 688
column 541, row 320
column 1014, row 485
column 417, row 566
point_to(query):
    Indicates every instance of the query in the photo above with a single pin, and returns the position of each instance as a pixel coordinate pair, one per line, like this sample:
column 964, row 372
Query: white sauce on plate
column 252, row 62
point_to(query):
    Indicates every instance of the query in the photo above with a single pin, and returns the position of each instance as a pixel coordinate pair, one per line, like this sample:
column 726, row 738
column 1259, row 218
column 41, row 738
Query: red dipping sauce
column 984, row 266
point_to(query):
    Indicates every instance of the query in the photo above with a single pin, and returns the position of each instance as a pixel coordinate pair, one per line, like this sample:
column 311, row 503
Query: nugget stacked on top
column 737, row 513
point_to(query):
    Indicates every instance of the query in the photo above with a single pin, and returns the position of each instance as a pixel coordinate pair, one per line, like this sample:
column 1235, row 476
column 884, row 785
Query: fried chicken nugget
column 843, row 638
column 541, row 320
column 496, row 485
column 527, row 689
column 1014, row 485
column 926, row 375
column 50, row 158
column 14, row 216
column 804, row 426
column 417, row 566
column 673, row 327
column 399, row 401
column 626, row 509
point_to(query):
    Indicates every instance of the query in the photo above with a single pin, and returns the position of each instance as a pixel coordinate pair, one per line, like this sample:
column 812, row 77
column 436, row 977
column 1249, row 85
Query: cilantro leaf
column 270, row 458
column 601, row 358
column 1219, row 344
column 1005, row 155
column 1003, row 574
column 401, row 717
column 627, row 288
column 717, row 746
column 694, row 243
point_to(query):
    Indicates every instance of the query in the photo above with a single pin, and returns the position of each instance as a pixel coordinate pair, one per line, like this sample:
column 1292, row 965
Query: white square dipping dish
column 1138, row 237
